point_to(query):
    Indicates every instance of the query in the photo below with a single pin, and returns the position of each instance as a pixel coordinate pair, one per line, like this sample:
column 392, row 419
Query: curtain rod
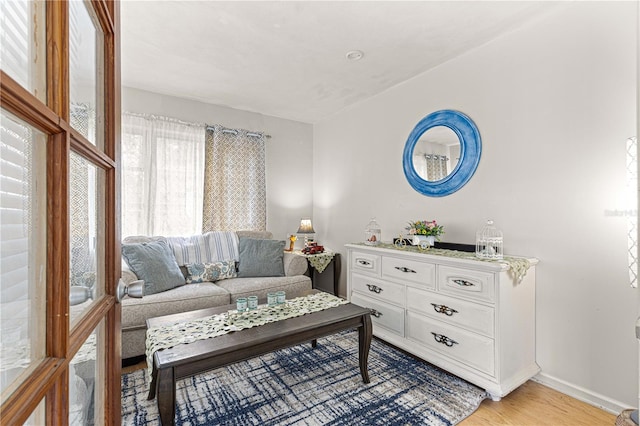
column 235, row 132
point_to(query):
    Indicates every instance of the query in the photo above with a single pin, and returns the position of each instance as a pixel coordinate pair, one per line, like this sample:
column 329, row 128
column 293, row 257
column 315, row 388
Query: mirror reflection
column 436, row 153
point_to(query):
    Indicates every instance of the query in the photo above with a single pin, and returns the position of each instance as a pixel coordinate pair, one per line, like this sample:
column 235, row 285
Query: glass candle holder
column 281, row 297
column 272, row 299
column 252, row 302
column 241, row 304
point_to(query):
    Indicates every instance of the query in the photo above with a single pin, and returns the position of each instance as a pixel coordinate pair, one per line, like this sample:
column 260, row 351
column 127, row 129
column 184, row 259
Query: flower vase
column 423, row 240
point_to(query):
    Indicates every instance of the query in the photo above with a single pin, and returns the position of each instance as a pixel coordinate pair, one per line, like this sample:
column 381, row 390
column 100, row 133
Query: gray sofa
column 188, row 297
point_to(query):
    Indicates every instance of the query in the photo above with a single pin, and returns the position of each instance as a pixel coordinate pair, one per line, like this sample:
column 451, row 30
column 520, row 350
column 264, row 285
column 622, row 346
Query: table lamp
column 306, row 229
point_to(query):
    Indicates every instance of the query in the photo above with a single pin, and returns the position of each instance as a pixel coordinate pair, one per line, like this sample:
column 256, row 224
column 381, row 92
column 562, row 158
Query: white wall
column 288, row 155
column 554, row 103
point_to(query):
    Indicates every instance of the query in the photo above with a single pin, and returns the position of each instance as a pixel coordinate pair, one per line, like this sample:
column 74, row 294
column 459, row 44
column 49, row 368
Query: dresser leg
column 493, row 397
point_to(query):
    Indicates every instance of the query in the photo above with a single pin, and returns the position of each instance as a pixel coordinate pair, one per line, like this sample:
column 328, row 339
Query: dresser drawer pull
column 375, row 313
column 405, row 269
column 374, row 288
column 363, row 262
column 463, row 283
column 443, row 309
column 441, row 338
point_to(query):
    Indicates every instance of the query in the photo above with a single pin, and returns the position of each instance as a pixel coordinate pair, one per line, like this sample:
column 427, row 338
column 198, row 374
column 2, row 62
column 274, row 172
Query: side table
column 324, row 270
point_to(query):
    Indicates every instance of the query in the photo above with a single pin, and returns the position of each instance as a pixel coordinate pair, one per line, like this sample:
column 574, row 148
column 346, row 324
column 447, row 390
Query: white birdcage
column 372, row 233
column 489, row 244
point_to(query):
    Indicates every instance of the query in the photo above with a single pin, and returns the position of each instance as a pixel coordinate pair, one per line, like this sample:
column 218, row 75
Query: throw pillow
column 210, row 272
column 261, row 258
column 154, row 263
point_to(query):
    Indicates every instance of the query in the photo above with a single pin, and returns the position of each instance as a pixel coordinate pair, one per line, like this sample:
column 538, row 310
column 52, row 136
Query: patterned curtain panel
column 235, row 184
column 82, row 242
column 436, row 166
column 162, row 176
column 82, row 261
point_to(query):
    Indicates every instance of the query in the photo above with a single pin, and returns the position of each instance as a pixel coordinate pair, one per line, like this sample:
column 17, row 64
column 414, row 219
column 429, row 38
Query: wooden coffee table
column 189, row 359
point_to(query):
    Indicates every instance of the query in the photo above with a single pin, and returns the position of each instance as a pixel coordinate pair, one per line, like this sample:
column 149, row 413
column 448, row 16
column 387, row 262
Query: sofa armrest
column 128, row 276
column 294, row 264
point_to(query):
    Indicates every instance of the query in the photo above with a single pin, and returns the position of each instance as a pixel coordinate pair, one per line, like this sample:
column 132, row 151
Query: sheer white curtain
column 632, row 211
column 162, row 176
column 235, row 195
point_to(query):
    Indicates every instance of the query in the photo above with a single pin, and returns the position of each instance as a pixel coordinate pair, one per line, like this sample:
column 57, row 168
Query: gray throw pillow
column 261, row 258
column 154, row 263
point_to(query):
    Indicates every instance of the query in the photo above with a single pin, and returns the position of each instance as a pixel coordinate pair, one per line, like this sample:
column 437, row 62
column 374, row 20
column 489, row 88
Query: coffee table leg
column 166, row 396
column 153, row 384
column 364, row 343
column 314, row 343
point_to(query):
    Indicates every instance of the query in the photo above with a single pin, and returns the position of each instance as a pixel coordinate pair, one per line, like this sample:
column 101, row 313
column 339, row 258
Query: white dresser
column 469, row 317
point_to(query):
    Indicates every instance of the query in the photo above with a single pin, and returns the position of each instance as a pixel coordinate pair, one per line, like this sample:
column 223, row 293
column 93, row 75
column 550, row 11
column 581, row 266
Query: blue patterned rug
column 305, row 386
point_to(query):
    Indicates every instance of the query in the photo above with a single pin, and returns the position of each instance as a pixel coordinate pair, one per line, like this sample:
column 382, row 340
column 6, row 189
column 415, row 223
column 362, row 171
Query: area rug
column 306, row 386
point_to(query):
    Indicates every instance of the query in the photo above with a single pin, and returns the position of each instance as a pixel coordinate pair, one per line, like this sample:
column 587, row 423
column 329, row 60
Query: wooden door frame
column 51, row 376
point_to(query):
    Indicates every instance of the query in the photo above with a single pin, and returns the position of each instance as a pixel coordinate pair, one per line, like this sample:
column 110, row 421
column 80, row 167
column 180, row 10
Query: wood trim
column 57, row 402
column 104, row 14
column 113, row 400
column 58, row 245
column 23, row 104
column 113, row 383
column 89, row 322
column 57, row 22
column 19, row 405
column 89, row 151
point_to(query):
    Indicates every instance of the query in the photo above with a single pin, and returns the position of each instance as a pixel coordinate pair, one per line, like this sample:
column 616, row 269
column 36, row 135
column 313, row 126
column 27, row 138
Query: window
column 163, row 176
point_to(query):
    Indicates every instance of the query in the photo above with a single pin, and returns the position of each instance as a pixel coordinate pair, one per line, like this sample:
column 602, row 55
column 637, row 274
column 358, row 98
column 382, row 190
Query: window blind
column 16, row 217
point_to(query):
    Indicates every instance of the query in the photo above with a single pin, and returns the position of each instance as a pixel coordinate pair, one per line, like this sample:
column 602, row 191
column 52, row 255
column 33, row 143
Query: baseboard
column 581, row 394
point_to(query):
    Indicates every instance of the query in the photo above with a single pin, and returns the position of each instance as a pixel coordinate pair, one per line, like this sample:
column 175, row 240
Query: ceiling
column 288, row 58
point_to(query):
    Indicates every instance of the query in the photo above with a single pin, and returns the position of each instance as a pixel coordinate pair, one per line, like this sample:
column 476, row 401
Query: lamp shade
column 306, row 227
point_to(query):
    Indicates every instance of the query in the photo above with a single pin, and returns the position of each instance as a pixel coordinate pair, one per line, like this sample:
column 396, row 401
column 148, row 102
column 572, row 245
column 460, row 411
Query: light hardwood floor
column 532, row 404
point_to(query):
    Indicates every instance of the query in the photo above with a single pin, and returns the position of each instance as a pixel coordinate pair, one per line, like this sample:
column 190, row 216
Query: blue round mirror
column 442, row 153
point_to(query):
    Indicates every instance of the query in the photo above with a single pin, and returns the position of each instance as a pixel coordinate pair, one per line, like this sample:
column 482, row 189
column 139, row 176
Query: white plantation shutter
column 22, row 245
column 15, row 187
column 22, row 197
column 21, row 58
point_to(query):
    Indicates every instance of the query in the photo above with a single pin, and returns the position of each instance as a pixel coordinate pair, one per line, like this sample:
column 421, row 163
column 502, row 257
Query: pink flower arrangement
column 425, row 227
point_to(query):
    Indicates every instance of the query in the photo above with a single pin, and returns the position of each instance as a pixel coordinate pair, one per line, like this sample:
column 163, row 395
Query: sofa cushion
column 213, row 271
column 294, row 286
column 188, row 297
column 261, row 258
column 154, row 263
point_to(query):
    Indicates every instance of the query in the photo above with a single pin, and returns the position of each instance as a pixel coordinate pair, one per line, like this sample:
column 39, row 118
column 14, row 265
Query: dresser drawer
column 469, row 348
column 409, row 270
column 365, row 262
column 388, row 316
column 472, row 316
column 378, row 289
column 466, row 282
